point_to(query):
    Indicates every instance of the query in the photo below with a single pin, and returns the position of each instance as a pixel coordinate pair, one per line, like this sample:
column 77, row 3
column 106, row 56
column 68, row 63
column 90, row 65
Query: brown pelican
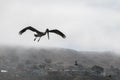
column 40, row 34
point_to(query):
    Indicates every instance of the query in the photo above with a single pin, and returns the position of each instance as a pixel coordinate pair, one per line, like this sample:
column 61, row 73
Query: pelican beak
column 48, row 34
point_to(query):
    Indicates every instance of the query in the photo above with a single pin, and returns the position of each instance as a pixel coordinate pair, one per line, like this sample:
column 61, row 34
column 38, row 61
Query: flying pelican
column 40, row 34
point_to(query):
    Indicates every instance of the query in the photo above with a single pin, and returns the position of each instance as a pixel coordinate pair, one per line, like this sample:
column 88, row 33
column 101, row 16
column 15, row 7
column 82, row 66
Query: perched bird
column 76, row 63
column 40, row 34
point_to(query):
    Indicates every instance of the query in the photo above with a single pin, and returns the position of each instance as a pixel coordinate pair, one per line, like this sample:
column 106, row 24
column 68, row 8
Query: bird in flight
column 40, row 34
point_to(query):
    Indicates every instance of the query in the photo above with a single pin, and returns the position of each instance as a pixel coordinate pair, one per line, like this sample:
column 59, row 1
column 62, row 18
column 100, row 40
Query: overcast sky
column 90, row 25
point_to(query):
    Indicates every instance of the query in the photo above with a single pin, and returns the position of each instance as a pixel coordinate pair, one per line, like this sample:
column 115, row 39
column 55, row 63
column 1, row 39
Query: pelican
column 40, row 34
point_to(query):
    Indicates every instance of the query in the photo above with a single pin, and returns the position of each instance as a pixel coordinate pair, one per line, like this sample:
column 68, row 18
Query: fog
column 40, row 63
column 56, row 55
column 89, row 25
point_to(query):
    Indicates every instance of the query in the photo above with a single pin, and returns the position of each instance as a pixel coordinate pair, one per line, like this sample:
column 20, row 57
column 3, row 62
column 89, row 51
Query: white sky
column 88, row 24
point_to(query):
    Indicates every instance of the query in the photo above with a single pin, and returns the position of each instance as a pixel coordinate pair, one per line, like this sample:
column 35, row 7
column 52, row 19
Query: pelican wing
column 58, row 32
column 28, row 28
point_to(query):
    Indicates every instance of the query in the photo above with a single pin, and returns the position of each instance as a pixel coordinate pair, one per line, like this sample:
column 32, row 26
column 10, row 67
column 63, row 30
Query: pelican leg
column 35, row 38
column 39, row 39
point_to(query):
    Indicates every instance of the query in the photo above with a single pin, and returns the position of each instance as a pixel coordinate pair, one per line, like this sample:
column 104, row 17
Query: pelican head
column 47, row 31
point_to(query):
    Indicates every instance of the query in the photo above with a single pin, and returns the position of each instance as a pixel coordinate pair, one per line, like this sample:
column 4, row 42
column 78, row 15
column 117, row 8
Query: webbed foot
column 35, row 38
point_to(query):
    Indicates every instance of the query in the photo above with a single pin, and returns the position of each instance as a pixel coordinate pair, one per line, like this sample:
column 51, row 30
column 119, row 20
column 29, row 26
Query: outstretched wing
column 28, row 28
column 58, row 32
